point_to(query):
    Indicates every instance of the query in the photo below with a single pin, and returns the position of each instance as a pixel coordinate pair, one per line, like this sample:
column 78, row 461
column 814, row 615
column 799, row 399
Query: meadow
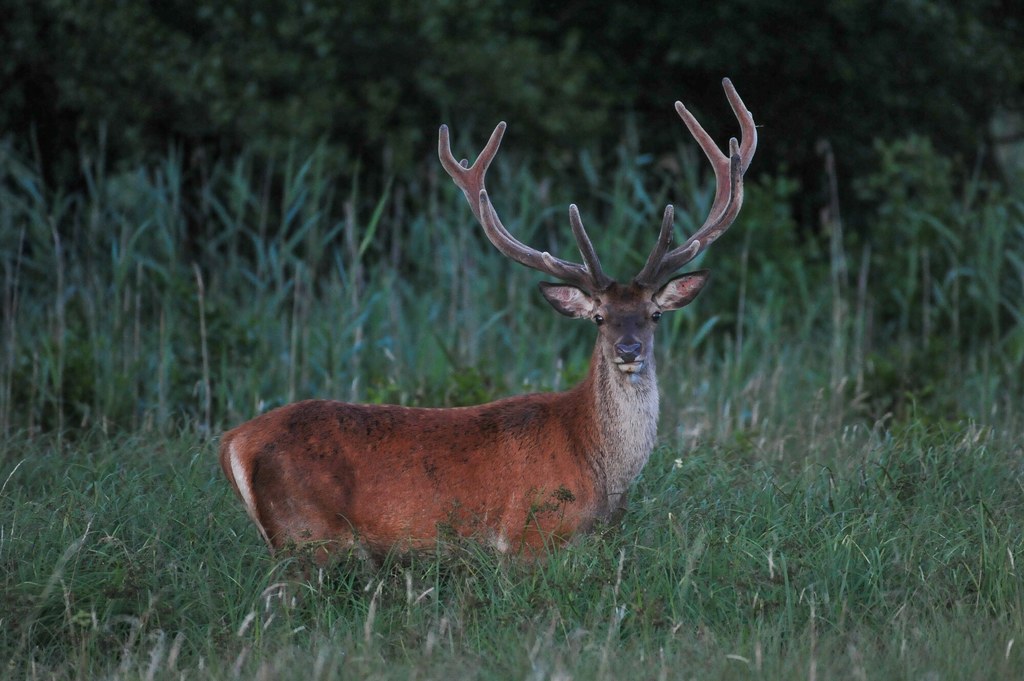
column 838, row 489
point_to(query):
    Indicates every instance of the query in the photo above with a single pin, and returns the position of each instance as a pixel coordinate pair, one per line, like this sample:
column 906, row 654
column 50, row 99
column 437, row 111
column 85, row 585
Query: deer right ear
column 568, row 300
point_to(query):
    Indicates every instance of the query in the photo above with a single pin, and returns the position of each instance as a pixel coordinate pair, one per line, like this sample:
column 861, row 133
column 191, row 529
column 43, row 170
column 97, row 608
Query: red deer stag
column 521, row 473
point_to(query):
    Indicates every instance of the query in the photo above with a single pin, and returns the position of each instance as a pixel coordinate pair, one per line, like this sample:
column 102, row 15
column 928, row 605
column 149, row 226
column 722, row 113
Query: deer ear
column 680, row 291
column 568, row 300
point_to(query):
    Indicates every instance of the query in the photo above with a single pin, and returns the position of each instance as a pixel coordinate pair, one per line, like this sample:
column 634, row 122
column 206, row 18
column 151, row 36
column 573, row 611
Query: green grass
column 885, row 553
column 838, row 491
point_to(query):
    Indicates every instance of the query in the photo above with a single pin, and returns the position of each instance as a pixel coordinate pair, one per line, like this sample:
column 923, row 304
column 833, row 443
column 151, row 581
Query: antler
column 470, row 179
column 728, row 194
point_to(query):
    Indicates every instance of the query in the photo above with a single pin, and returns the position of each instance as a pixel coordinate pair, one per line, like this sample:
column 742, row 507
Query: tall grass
column 839, row 489
column 136, row 302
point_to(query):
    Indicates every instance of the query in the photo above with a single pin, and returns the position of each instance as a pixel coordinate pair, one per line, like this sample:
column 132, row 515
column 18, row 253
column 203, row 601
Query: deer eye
column 656, row 316
column 598, row 319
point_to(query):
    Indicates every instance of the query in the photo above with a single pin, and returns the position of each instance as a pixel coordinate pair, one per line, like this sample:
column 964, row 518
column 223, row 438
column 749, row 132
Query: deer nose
column 629, row 351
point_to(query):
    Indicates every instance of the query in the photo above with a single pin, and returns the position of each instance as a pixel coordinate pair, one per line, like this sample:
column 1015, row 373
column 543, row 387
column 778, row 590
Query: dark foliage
column 374, row 79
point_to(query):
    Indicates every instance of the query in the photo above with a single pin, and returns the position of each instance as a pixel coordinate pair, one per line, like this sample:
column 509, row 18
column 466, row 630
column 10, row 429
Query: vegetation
column 781, row 552
column 838, row 491
column 371, row 79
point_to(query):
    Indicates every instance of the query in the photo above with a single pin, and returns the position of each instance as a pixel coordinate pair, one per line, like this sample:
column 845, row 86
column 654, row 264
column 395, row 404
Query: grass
column 838, row 491
column 886, row 553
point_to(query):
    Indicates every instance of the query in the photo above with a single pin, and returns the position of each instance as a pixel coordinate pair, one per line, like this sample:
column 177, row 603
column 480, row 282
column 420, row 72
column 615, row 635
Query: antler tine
column 593, row 264
column 728, row 190
column 748, row 131
column 470, row 179
column 661, row 246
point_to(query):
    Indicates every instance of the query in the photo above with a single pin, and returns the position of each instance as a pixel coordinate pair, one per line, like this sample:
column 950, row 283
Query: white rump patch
column 244, row 486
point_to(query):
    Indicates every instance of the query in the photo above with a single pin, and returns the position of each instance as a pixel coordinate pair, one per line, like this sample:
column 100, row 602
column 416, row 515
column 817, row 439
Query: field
column 838, row 491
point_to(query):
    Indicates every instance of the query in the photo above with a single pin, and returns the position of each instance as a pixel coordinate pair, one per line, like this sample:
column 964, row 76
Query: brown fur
column 514, row 471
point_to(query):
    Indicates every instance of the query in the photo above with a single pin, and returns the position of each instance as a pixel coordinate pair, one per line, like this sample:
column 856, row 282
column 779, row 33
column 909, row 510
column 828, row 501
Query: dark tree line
column 372, row 79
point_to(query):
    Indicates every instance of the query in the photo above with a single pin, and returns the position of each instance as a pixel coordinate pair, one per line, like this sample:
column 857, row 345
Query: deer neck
column 625, row 408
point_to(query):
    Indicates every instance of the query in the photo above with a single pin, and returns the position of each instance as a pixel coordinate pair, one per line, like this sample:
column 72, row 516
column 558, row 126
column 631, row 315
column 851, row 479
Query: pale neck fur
column 626, row 413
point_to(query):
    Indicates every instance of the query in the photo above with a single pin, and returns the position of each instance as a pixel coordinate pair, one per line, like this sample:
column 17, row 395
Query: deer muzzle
column 629, row 355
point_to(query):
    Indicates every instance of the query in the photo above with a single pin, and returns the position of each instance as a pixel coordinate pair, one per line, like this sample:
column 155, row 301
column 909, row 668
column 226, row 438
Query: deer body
column 519, row 473
column 522, row 473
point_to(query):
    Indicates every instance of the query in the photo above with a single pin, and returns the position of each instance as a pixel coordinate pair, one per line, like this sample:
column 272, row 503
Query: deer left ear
column 569, row 300
column 680, row 291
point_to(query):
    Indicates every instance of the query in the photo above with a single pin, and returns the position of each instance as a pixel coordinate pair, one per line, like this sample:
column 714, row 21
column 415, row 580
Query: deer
column 523, row 474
